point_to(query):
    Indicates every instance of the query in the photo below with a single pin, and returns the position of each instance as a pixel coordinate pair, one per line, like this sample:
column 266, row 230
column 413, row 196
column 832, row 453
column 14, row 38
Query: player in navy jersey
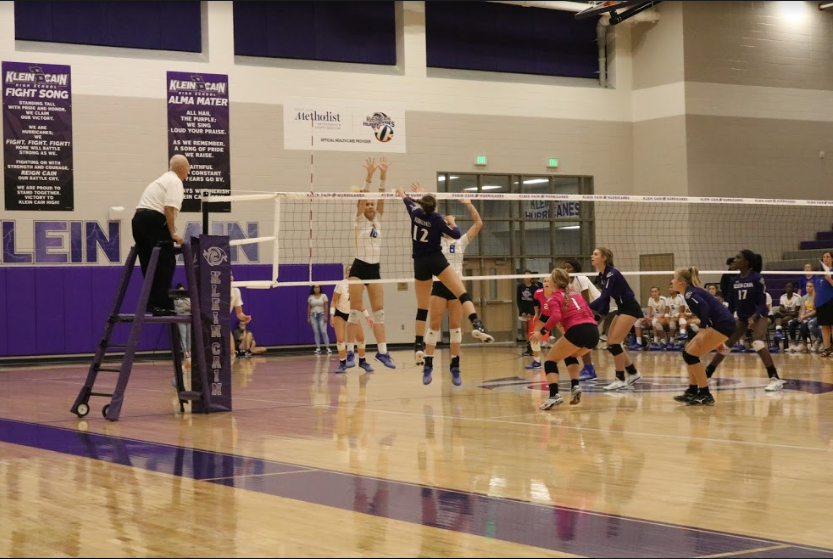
column 427, row 229
column 614, row 286
column 715, row 326
column 747, row 299
column 442, row 299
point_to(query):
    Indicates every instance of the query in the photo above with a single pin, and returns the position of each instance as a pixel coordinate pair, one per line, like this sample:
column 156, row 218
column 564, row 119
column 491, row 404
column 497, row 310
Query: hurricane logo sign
column 215, row 256
column 382, row 126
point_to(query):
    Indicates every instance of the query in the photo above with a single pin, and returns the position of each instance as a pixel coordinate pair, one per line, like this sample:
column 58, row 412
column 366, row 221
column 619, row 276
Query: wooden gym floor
column 312, row 464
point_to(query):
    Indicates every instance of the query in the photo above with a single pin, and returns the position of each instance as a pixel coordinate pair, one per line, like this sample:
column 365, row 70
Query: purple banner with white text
column 37, row 137
column 198, row 128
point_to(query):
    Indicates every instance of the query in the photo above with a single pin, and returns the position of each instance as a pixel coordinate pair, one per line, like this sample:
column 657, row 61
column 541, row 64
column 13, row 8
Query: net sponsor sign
column 312, row 123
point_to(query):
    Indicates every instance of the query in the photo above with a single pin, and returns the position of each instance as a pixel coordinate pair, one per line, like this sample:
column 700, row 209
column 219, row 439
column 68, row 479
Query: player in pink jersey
column 542, row 314
column 570, row 312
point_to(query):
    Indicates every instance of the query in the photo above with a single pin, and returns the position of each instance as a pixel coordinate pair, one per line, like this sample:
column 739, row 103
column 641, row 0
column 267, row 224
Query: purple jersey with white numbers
column 748, row 296
column 427, row 230
column 614, row 286
column 711, row 312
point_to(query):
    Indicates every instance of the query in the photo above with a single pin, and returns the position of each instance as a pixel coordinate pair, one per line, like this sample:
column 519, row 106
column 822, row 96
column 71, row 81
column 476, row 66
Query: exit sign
column 552, row 163
column 480, row 160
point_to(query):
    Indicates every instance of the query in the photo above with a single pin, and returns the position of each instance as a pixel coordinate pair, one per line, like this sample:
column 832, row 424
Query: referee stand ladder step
column 112, row 411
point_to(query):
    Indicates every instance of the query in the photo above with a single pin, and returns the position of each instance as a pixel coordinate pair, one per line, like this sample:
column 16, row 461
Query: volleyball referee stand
column 203, row 387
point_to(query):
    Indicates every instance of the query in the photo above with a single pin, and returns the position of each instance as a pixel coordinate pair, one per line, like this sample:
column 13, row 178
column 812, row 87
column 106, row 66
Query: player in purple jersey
column 427, row 229
column 716, row 325
column 615, row 286
column 747, row 299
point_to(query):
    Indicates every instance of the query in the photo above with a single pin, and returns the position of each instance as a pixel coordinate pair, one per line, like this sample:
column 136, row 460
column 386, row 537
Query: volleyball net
column 649, row 235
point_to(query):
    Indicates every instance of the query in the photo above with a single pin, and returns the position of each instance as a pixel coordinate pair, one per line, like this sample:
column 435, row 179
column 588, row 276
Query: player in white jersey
column 347, row 334
column 368, row 237
column 442, row 298
column 590, row 292
column 677, row 315
column 655, row 321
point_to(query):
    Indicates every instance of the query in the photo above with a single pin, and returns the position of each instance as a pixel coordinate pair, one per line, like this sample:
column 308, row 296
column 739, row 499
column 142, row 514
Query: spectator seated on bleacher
column 654, row 321
column 808, row 331
column 788, row 310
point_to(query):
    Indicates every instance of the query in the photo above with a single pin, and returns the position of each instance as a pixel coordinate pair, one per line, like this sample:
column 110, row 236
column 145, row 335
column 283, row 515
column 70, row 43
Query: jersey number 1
column 420, row 234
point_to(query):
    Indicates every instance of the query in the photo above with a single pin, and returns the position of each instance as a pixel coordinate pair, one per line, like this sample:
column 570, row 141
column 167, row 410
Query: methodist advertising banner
column 340, row 125
column 37, row 137
column 198, row 128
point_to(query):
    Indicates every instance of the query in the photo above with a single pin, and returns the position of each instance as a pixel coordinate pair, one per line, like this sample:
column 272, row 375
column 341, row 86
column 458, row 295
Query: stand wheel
column 82, row 410
column 104, row 410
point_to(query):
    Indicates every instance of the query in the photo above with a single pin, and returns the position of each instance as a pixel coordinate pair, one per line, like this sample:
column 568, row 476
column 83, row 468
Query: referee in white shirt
column 153, row 223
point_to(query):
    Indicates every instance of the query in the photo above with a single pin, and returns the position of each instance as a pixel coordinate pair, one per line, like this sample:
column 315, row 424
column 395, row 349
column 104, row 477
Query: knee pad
column 431, row 337
column 690, row 359
column 758, row 345
column 361, row 346
column 523, row 319
column 550, row 367
column 341, row 346
column 379, row 316
column 570, row 361
column 422, row 314
column 465, row 297
column 615, row 349
column 456, row 336
column 536, row 346
column 354, row 316
column 655, row 324
column 683, row 322
column 694, row 328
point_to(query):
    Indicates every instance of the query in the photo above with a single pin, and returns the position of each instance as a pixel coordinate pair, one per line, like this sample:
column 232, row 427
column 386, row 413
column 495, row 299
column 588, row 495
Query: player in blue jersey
column 747, row 299
column 715, row 327
column 427, row 229
column 615, row 286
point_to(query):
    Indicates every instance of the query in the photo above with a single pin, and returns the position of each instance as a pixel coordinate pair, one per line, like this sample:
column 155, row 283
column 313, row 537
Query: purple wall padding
column 360, row 32
column 62, row 310
column 143, row 25
column 502, row 38
column 4, row 314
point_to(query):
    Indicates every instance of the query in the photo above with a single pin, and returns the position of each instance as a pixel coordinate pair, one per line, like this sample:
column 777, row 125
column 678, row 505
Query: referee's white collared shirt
column 167, row 190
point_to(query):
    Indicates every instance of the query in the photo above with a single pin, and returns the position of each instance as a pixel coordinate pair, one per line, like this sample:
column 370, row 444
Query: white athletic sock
column 383, row 348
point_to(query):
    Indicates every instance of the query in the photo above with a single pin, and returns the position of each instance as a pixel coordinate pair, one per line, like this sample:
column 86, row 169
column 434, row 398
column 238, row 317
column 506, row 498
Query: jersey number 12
column 420, row 234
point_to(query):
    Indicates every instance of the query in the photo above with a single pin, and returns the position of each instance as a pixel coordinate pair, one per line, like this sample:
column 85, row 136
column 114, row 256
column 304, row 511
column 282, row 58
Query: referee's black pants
column 150, row 228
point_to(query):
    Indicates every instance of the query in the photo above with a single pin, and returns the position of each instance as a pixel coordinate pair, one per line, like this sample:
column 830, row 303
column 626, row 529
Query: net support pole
column 204, row 207
column 276, row 245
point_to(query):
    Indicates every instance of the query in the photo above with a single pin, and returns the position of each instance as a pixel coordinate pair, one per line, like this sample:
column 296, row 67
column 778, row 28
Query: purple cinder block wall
column 62, row 310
